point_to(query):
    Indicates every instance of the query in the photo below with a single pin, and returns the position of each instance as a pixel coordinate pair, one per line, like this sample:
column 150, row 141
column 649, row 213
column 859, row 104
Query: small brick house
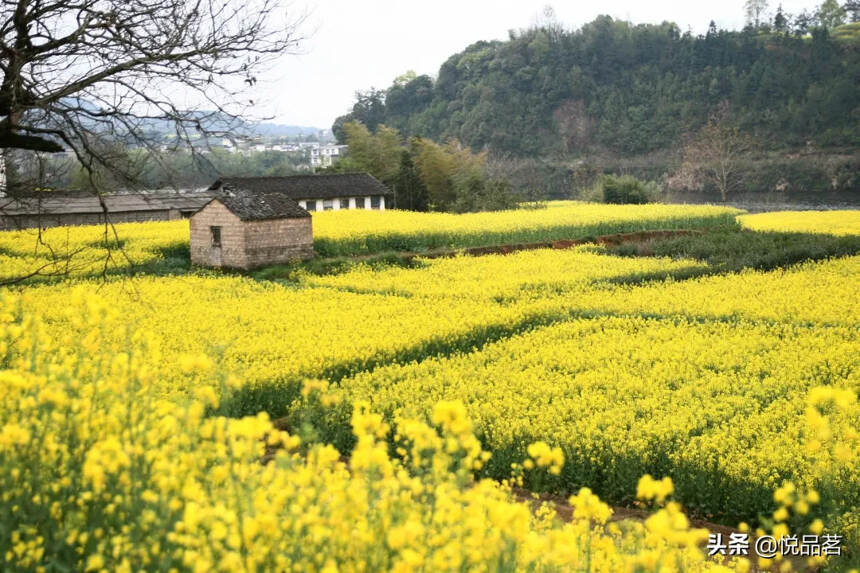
column 242, row 229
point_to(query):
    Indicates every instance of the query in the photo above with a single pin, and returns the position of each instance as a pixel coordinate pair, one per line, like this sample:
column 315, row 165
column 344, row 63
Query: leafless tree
column 82, row 76
column 714, row 155
column 95, row 78
column 754, row 10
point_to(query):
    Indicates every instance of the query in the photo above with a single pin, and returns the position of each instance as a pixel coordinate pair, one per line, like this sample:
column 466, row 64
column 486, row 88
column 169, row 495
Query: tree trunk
column 12, row 183
column 10, row 175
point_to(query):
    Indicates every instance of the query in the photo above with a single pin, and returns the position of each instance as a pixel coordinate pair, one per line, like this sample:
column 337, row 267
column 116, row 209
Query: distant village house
column 326, row 155
column 62, row 208
column 317, row 192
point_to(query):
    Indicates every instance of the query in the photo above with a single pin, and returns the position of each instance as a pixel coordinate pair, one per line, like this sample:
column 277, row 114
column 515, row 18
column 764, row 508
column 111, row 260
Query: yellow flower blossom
column 134, row 421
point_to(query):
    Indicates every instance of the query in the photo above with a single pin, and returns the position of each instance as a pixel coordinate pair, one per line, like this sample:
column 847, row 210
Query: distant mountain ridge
column 209, row 119
column 283, row 130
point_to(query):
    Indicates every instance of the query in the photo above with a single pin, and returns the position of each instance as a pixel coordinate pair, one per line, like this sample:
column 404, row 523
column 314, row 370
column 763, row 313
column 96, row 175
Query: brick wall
column 231, row 254
column 278, row 241
column 248, row 244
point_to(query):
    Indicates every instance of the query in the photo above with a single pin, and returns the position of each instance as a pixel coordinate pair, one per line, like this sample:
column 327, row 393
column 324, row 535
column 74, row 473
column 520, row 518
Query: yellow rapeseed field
column 100, row 473
column 269, row 333
column 702, row 378
column 136, row 410
column 146, row 245
column 828, row 222
column 360, row 231
column 88, row 250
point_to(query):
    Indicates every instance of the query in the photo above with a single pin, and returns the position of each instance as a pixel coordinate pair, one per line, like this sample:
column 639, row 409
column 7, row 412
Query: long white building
column 328, row 192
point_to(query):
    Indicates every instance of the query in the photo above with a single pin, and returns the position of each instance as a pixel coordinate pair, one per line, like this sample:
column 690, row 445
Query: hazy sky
column 356, row 44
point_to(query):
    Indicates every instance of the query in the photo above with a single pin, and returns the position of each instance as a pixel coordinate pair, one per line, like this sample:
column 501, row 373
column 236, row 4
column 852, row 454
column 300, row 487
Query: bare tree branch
column 84, row 75
column 97, row 77
column 713, row 156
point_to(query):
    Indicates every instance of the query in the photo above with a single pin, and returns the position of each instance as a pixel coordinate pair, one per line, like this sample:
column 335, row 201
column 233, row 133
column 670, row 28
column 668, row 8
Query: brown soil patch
column 608, row 240
column 565, row 512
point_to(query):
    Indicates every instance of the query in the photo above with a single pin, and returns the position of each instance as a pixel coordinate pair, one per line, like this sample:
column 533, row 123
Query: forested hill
column 630, row 89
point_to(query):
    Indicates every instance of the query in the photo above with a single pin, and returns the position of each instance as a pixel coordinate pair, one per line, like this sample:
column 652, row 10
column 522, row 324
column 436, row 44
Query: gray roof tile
column 64, row 202
column 250, row 206
column 326, row 186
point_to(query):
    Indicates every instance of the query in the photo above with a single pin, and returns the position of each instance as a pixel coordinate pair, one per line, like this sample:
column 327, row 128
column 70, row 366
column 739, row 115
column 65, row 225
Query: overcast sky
column 356, row 44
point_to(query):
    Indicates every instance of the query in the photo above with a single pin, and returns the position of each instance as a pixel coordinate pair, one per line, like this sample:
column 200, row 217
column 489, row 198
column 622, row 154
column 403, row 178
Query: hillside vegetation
column 628, row 88
column 553, row 108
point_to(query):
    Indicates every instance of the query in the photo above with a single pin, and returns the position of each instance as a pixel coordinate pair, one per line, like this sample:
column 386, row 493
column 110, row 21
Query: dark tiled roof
column 250, row 206
column 307, row 186
column 79, row 202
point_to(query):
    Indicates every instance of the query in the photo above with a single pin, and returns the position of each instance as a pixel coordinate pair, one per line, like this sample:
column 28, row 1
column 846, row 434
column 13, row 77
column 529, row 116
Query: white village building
column 328, row 192
column 325, row 155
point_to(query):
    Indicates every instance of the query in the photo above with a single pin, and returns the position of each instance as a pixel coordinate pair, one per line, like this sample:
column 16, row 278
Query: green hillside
column 624, row 89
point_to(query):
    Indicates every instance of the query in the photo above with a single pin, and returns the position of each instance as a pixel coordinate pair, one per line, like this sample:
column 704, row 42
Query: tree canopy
column 612, row 85
column 425, row 175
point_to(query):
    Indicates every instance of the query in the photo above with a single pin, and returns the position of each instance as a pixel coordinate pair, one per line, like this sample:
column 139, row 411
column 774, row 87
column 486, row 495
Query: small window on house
column 216, row 236
column 374, row 202
column 344, row 203
column 186, row 214
column 311, row 206
column 328, row 205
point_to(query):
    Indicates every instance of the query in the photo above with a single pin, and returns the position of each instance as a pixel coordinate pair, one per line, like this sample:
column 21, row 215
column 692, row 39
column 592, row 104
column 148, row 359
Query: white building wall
column 354, row 203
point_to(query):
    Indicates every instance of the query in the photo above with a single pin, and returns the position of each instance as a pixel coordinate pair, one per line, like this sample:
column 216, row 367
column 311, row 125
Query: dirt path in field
column 565, row 512
column 609, row 240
